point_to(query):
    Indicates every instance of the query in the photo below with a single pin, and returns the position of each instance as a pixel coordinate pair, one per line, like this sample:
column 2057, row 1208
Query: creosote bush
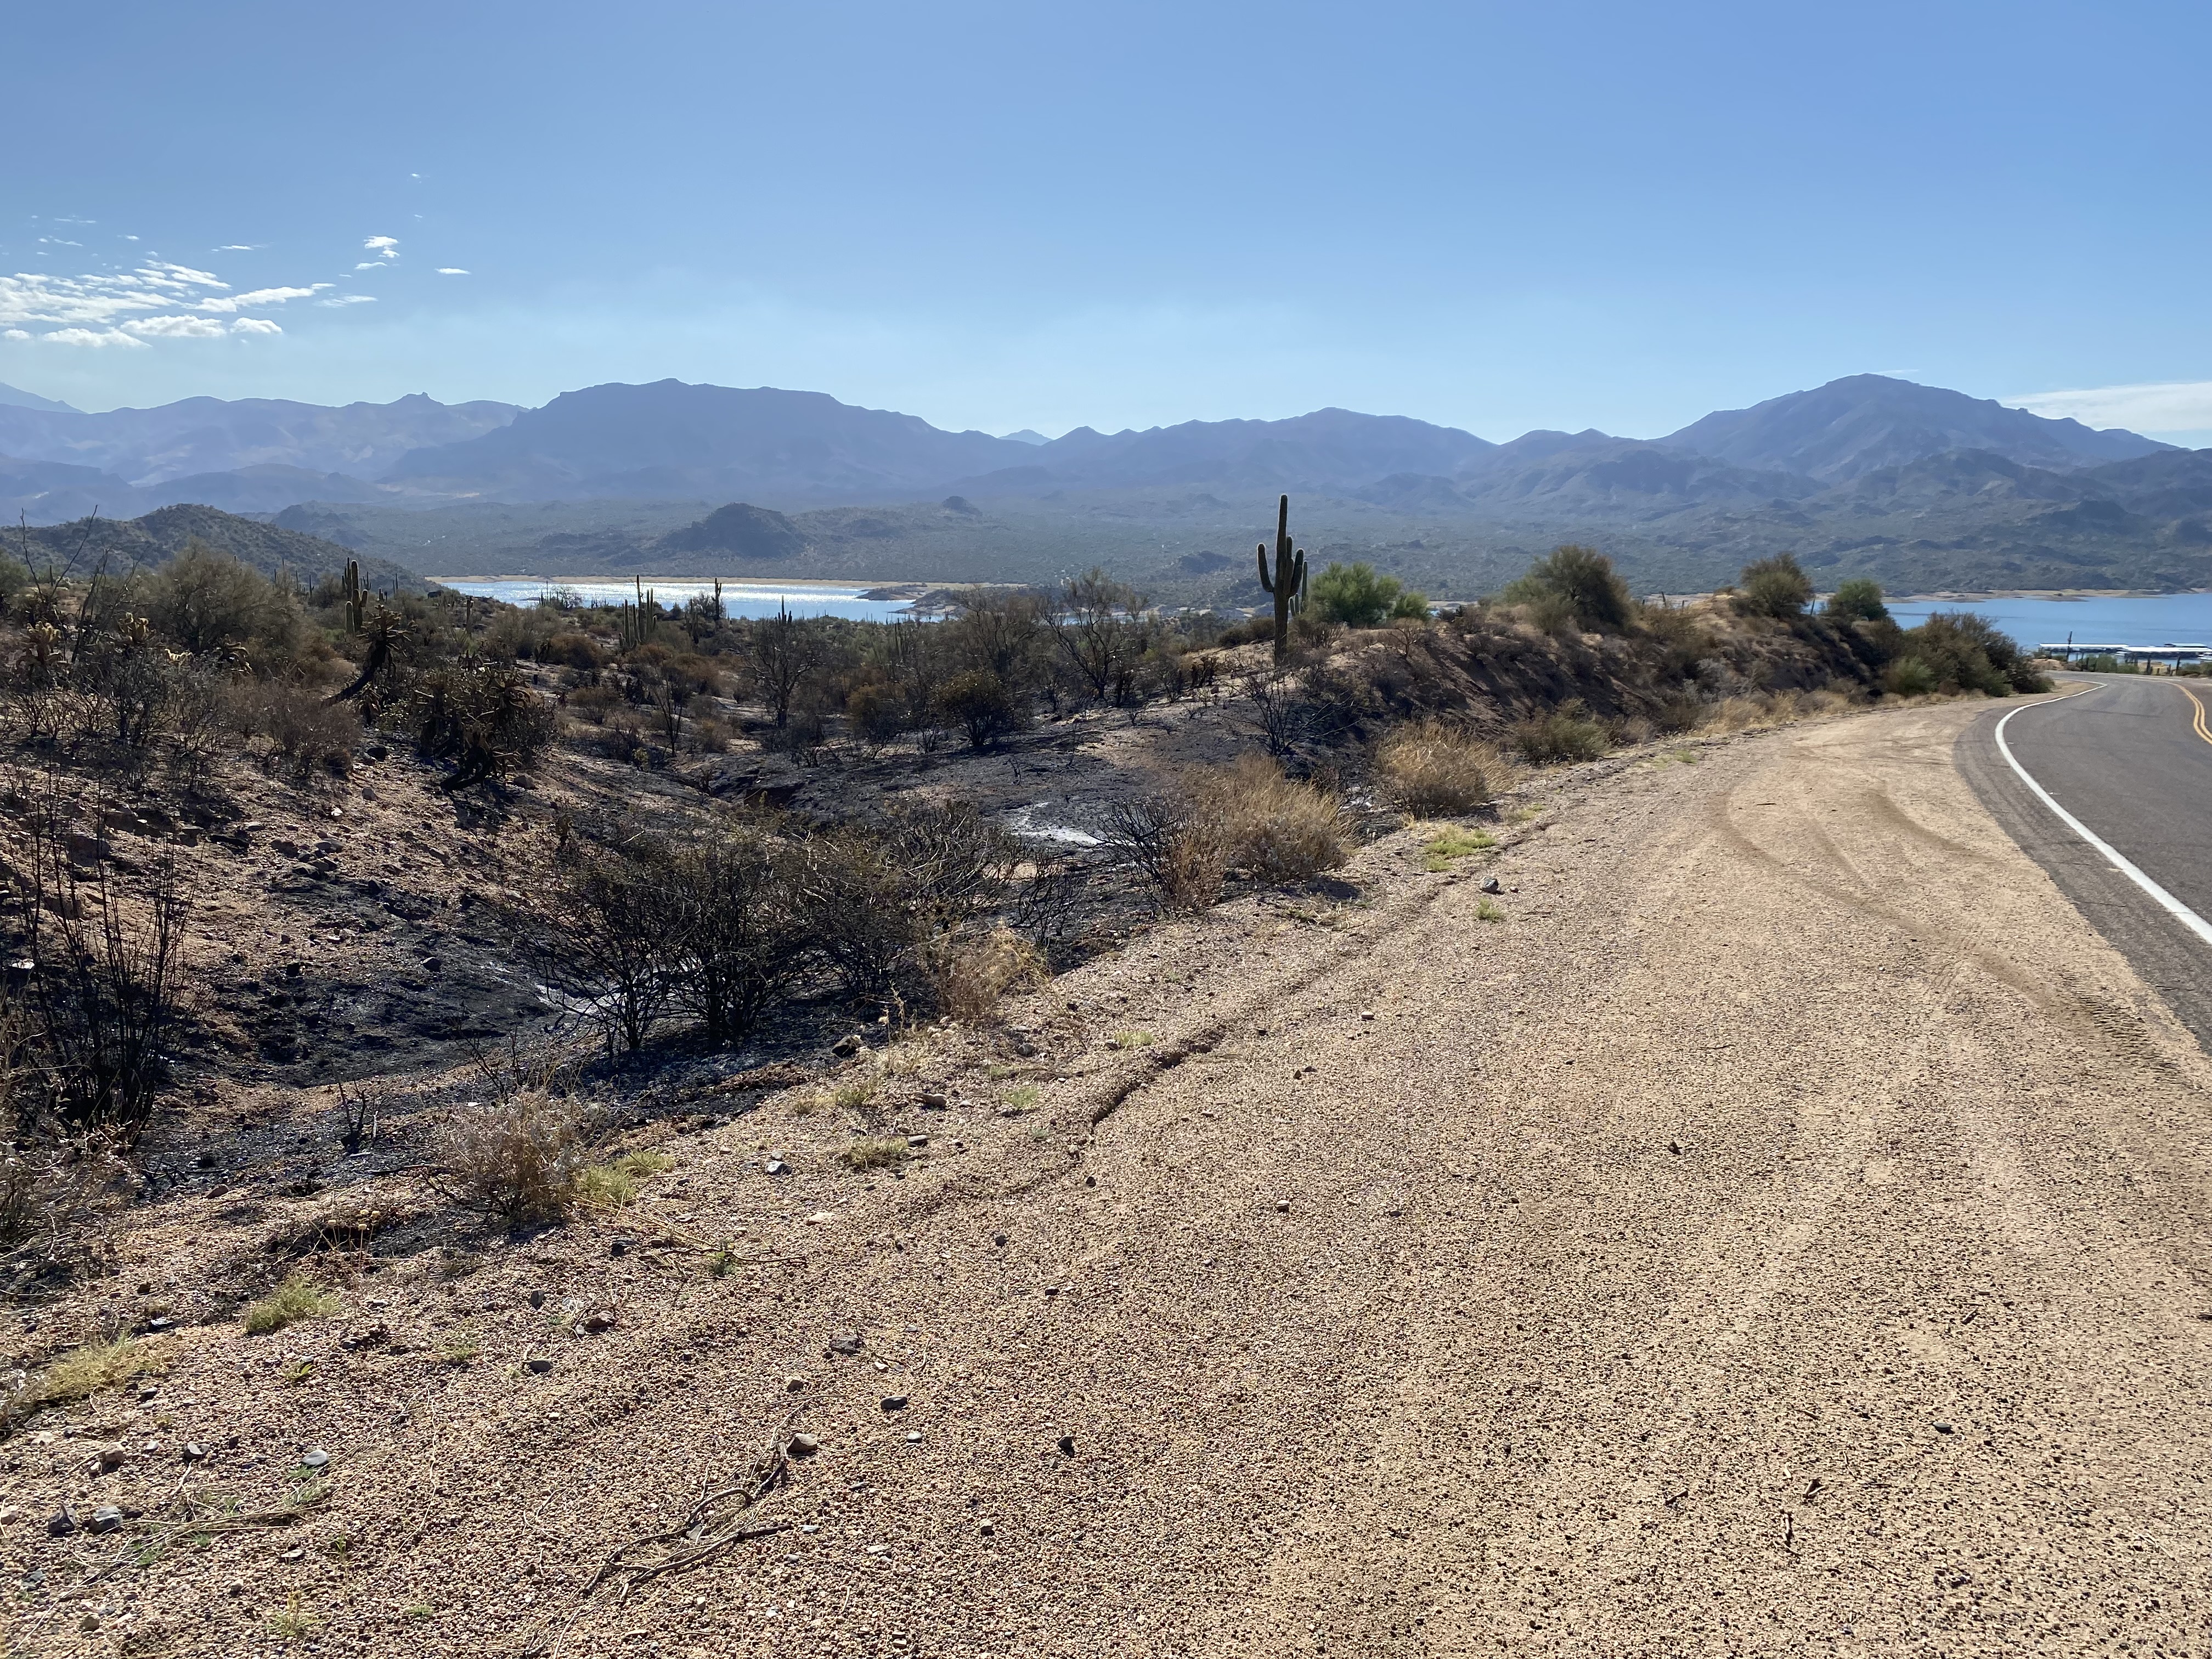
column 520, row 1156
column 1429, row 767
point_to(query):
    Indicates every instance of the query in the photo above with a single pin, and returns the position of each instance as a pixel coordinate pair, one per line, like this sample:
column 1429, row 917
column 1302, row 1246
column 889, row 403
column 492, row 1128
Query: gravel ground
column 1783, row 1230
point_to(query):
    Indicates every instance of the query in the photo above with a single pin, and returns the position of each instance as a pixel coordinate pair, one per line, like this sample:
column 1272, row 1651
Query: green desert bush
column 1356, row 596
column 1858, row 599
column 1773, row 587
column 1576, row 584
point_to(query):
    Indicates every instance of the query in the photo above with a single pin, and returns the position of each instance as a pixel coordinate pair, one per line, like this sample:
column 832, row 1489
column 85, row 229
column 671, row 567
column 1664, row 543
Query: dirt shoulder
column 1782, row 1229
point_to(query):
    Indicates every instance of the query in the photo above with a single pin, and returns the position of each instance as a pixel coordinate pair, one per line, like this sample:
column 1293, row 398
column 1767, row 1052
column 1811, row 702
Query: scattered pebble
column 894, row 1402
column 914, row 1436
column 802, row 1445
column 847, row 1342
column 917, row 1142
column 1068, row 1444
column 984, row 1527
column 106, row 1518
column 776, row 1166
column 1942, row 1428
column 794, row 1383
column 316, row 1459
column 538, row 1367
column 1282, row 1206
column 194, row 1451
column 933, row 1102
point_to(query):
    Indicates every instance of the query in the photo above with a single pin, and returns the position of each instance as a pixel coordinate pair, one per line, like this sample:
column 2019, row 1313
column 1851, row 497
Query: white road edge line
column 2165, row 900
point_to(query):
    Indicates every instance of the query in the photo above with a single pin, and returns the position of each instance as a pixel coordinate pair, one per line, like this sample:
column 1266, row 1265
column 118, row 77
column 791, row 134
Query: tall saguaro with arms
column 1288, row 583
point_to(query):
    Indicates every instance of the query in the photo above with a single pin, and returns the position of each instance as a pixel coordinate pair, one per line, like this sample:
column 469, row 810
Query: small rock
column 62, row 1525
column 1675, row 1147
column 620, row 1246
column 538, row 1367
column 984, row 1527
column 1068, row 1444
column 914, row 1436
column 802, row 1445
column 1282, row 1206
column 160, row 1322
column 847, row 1044
column 111, row 1458
column 776, row 1166
column 292, row 1554
column 796, row 1384
column 1942, row 1428
column 106, row 1518
column 194, row 1452
column 537, row 1298
column 847, row 1342
column 917, row 1142
column 1052, row 1290
column 316, row 1458
column 1493, row 885
column 894, row 1402
column 998, row 1239
column 820, row 1218
column 1091, row 1181
column 596, row 1322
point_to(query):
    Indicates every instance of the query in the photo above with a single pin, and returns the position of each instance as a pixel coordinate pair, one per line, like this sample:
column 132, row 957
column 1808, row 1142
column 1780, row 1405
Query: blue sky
column 1000, row 215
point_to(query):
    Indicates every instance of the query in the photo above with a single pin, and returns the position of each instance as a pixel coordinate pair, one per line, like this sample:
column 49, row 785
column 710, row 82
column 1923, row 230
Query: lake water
column 739, row 598
column 2149, row 619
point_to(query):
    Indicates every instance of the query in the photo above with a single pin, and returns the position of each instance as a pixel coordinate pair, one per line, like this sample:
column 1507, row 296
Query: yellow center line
column 2202, row 730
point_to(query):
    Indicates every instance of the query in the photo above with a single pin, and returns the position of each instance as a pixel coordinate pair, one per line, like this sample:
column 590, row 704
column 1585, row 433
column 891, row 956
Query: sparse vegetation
column 297, row 1298
column 1442, row 850
column 520, row 1157
column 886, row 1152
column 82, row 1372
column 1486, row 911
column 1281, row 829
column 613, row 1185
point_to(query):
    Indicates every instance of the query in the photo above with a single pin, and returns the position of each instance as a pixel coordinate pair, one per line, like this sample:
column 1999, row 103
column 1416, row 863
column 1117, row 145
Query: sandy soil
column 1785, row 1230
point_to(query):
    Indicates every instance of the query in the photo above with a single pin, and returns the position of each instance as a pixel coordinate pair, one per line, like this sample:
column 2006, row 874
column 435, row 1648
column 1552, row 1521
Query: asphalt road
column 2131, row 759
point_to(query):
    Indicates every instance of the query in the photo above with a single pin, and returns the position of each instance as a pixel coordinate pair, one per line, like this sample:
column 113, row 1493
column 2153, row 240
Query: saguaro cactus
column 1288, row 583
column 356, row 601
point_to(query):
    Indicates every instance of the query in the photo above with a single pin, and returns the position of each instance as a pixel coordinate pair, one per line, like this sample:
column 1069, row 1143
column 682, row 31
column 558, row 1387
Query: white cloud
column 2162, row 406
column 175, row 328
column 451, row 270
column 160, row 300
column 89, row 337
column 261, row 296
column 383, row 246
column 349, row 300
column 371, row 264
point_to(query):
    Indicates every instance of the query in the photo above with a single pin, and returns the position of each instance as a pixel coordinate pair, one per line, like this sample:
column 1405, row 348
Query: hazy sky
column 999, row 215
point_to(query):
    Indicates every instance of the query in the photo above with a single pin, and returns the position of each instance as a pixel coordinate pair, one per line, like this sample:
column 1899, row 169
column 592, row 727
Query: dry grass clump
column 970, row 975
column 520, row 1157
column 885, row 1153
column 82, row 1372
column 1567, row 733
column 610, row 1186
column 1277, row 829
column 1432, row 768
column 295, row 1299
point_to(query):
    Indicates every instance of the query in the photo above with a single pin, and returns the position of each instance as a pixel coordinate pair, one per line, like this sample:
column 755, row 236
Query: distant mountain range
column 1921, row 485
